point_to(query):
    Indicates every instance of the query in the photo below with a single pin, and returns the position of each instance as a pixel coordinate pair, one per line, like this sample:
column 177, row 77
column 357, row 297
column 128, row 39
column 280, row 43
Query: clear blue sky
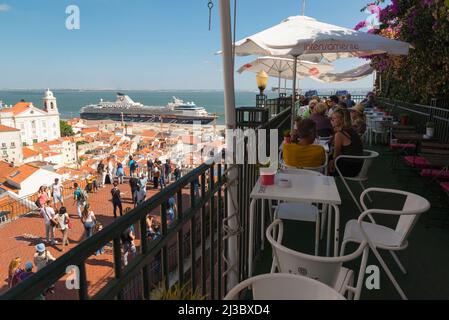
column 142, row 44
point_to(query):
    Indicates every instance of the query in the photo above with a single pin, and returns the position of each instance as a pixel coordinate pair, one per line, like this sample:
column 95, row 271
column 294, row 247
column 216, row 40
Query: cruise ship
column 125, row 109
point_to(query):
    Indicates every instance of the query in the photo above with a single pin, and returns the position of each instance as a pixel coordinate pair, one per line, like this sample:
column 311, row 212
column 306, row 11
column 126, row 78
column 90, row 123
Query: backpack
column 133, row 166
column 82, row 195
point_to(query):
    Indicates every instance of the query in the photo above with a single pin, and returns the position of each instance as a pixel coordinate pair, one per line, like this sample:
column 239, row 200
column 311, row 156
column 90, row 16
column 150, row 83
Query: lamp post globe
column 262, row 81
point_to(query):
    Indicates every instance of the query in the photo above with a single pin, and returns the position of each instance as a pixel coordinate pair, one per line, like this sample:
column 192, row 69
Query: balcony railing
column 421, row 114
column 17, row 208
column 190, row 251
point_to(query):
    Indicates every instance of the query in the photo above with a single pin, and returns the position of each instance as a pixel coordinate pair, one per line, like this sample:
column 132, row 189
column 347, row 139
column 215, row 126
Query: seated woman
column 346, row 142
column 358, row 119
column 304, row 154
column 323, row 124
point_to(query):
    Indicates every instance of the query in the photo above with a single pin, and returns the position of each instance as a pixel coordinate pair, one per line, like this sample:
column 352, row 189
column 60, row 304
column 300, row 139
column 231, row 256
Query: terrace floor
column 427, row 257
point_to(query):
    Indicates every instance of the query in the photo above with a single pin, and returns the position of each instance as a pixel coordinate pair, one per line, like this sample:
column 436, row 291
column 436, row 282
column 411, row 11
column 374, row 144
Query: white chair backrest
column 278, row 286
column 406, row 223
column 323, row 269
column 368, row 161
column 412, row 209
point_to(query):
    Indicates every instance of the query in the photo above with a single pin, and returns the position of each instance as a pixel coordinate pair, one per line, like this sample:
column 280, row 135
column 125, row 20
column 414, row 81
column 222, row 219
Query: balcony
column 192, row 249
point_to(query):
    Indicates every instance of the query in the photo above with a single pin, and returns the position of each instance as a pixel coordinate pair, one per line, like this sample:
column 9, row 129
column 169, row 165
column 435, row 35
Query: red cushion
column 402, row 146
column 435, row 173
column 417, row 162
column 445, row 186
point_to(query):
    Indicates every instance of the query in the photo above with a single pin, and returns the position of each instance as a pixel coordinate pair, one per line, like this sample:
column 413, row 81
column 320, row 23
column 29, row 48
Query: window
column 44, row 124
column 34, row 140
column 22, row 126
column 5, row 153
column 13, row 144
column 3, row 145
column 33, row 124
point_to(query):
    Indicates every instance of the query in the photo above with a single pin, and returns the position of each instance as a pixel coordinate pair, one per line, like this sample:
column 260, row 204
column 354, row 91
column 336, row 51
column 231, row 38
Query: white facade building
column 35, row 125
column 10, row 145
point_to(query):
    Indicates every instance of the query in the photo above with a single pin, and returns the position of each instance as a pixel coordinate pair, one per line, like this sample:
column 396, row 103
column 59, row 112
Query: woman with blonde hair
column 14, row 272
column 346, row 142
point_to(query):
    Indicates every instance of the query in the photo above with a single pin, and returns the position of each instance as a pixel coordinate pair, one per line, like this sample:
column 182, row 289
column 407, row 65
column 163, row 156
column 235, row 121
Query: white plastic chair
column 306, row 212
column 328, row 270
column 279, row 286
column 379, row 127
column 367, row 159
column 383, row 237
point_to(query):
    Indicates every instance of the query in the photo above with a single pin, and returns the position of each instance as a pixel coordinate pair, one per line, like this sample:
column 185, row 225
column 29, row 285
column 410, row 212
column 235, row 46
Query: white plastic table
column 304, row 188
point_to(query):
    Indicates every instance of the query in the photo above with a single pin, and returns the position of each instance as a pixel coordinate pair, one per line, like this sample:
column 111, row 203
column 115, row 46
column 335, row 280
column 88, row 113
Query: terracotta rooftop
column 7, row 129
column 27, row 152
column 20, row 174
column 18, row 108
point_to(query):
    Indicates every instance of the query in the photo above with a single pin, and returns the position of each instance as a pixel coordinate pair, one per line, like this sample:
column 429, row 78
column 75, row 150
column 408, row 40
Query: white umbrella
column 311, row 40
column 283, row 68
column 346, row 76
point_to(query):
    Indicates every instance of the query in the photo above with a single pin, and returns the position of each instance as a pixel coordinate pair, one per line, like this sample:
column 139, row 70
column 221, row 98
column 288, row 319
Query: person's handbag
column 69, row 223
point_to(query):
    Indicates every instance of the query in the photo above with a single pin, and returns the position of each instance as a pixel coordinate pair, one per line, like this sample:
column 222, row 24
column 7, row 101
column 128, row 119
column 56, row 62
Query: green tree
column 66, row 129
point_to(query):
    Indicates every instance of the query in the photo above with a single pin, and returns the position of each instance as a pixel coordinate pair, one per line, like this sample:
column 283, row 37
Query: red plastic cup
column 267, row 177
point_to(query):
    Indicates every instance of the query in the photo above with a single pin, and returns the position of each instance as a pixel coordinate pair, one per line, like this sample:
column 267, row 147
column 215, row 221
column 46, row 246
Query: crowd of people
column 339, row 120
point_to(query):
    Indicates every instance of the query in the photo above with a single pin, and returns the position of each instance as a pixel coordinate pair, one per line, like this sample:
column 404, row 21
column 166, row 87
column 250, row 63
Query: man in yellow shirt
column 304, row 154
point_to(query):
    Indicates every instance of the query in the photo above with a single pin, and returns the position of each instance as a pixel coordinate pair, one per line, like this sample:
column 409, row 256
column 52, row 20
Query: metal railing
column 421, row 114
column 17, row 208
column 190, row 251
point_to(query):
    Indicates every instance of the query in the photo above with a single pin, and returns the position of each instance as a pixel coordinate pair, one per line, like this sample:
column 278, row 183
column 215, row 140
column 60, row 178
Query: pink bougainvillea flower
column 360, row 25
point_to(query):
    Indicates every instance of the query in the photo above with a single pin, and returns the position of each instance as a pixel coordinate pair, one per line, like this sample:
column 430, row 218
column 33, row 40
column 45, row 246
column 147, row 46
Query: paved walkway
column 20, row 237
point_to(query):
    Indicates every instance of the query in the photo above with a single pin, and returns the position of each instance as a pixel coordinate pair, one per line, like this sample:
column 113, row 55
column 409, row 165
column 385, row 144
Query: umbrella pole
column 229, row 100
column 279, row 84
column 295, row 65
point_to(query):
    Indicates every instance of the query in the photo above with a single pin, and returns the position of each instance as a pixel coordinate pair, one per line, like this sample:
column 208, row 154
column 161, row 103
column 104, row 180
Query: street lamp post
column 262, row 81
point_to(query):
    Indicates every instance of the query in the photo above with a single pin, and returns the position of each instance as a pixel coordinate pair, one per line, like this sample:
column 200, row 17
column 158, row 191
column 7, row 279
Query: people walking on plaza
column 88, row 219
column 42, row 197
column 64, row 225
column 143, row 181
column 127, row 238
column 101, row 170
column 133, row 183
column 177, row 173
column 150, row 166
column 167, row 169
column 14, row 272
column 98, row 228
column 79, row 198
column 42, row 258
column 141, row 194
column 48, row 213
column 132, row 164
column 120, row 173
column 156, row 175
column 162, row 176
column 116, row 199
column 28, row 271
column 57, row 191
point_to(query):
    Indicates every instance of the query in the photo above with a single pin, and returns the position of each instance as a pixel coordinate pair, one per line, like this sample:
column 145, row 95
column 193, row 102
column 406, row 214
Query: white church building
column 35, row 125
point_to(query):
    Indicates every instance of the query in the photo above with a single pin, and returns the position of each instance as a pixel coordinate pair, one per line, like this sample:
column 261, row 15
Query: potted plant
column 404, row 119
column 287, row 136
column 430, row 129
column 177, row 292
